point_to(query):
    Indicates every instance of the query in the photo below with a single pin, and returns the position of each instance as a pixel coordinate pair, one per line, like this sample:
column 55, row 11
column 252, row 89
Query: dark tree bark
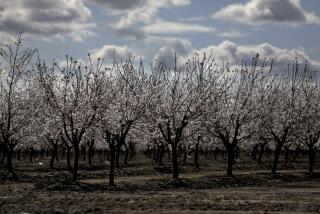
column 132, row 149
column 111, row 140
column 118, row 150
column 216, row 151
column 262, row 147
column 126, row 155
column 62, row 152
column 286, row 154
column 261, row 151
column 112, row 159
column 167, row 135
column 175, row 174
column 254, row 152
column 312, row 150
column 90, row 151
column 160, row 162
column 296, row 153
column 9, row 153
column 83, row 152
column 196, row 153
column 41, row 153
column 69, row 158
column 68, row 147
column 4, row 154
column 157, row 153
column 31, row 154
column 231, row 157
column 185, row 154
column 276, row 157
column 76, row 161
column 121, row 140
column 54, row 153
column 9, row 150
column 280, row 141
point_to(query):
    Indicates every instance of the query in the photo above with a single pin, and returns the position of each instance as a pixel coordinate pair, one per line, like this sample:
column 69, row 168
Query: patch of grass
column 216, row 199
column 154, row 200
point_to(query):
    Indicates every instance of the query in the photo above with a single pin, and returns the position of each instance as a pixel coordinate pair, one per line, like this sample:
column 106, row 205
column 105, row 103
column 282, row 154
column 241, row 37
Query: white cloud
column 255, row 12
column 131, row 14
column 114, row 53
column 230, row 52
column 137, row 11
column 166, row 27
column 181, row 47
column 46, row 18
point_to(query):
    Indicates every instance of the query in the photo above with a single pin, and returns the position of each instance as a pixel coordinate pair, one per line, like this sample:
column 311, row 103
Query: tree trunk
column 76, row 161
column 254, row 152
column 54, row 154
column 69, row 158
column 83, row 152
column 155, row 153
column 158, row 153
column 231, row 157
column 89, row 156
column 169, row 152
column 160, row 162
column 52, row 159
column 118, row 150
column 261, row 153
column 276, row 157
column 132, row 150
column 41, row 153
column 9, row 152
column 90, row 151
column 196, row 155
column 175, row 161
column 63, row 152
column 31, row 154
column 296, row 153
column 286, row 155
column 4, row 154
column 112, row 162
column 126, row 155
column 312, row 154
column 216, row 151
column 185, row 154
column 57, row 152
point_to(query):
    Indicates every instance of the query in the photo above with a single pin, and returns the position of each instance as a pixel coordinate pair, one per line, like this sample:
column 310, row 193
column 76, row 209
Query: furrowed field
column 142, row 187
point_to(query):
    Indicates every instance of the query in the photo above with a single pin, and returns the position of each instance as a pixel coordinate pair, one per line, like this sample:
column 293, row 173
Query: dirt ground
column 143, row 188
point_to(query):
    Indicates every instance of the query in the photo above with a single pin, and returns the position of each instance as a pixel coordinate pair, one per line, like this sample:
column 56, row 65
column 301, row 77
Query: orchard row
column 196, row 104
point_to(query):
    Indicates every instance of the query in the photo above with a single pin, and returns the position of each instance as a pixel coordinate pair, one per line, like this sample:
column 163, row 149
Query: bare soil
column 144, row 188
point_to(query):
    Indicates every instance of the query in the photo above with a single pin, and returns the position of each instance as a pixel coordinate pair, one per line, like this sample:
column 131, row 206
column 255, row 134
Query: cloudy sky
column 154, row 29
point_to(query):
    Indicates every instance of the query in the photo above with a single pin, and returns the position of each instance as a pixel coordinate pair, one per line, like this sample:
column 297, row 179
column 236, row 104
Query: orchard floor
column 143, row 188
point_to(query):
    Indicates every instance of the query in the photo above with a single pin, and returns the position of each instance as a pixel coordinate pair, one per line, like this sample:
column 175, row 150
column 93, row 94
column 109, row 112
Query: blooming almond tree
column 49, row 129
column 232, row 113
column 182, row 101
column 73, row 93
column 308, row 128
column 282, row 111
column 18, row 96
column 127, row 94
